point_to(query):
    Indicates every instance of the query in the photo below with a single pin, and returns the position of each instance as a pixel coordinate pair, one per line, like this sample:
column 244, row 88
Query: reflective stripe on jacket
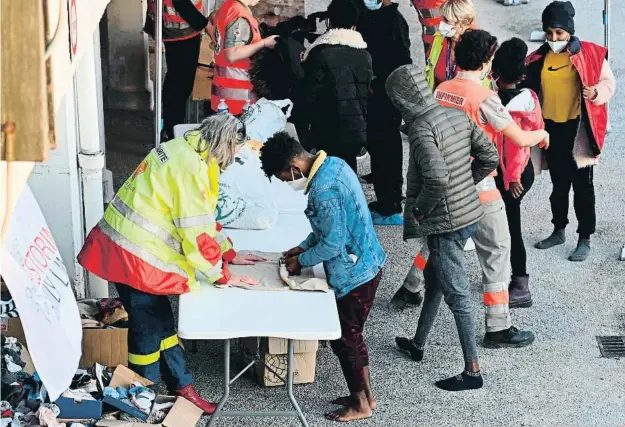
column 160, row 227
column 231, row 80
column 174, row 26
column 468, row 95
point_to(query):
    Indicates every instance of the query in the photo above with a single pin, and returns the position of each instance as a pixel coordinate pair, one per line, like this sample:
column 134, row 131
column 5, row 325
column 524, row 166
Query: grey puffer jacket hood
column 441, row 177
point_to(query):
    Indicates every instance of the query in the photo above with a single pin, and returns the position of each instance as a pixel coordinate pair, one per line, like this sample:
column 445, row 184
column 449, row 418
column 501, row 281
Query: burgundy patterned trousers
column 351, row 349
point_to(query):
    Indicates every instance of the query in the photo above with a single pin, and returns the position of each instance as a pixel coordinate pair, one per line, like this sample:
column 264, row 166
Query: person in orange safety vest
column 159, row 230
column 182, row 26
column 237, row 38
column 474, row 54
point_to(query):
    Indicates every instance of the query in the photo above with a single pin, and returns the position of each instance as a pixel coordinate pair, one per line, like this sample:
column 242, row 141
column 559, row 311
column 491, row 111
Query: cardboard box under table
column 230, row 313
column 271, row 354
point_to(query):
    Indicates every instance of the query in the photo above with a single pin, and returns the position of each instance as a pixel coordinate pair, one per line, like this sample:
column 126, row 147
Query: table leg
column 289, row 384
column 224, row 397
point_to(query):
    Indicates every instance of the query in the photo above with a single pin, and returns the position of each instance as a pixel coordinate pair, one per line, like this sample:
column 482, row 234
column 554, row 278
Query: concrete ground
column 561, row 380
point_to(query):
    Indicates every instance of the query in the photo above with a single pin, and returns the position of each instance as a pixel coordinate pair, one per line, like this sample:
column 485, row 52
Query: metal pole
column 606, row 23
column 158, row 84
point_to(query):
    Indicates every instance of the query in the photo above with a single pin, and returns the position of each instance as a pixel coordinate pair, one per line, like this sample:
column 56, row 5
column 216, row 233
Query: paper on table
column 273, row 276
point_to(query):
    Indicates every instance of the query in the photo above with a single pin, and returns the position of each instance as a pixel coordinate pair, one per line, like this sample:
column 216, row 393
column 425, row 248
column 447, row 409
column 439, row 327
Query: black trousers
column 564, row 175
column 181, row 57
column 385, row 148
column 518, row 255
column 153, row 346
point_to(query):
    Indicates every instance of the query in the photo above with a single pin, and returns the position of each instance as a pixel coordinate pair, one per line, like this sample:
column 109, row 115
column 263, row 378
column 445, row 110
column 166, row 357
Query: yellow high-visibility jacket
column 161, row 226
column 430, row 64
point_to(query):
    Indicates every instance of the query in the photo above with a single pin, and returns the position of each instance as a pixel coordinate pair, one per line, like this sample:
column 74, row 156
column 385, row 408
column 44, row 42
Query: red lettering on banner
column 39, row 255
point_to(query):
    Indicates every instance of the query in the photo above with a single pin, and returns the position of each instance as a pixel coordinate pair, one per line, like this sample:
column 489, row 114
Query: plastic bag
column 265, row 118
column 245, row 197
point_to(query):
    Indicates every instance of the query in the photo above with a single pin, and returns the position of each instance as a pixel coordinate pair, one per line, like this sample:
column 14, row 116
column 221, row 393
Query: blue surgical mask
column 446, row 30
column 372, row 4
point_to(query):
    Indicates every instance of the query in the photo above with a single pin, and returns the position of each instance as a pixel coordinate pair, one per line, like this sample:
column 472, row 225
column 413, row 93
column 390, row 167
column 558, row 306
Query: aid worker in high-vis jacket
column 182, row 27
column 156, row 233
column 475, row 51
column 237, row 38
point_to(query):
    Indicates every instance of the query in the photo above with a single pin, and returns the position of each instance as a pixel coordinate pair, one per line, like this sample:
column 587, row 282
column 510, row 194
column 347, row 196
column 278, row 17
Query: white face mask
column 446, row 30
column 297, row 184
column 558, row 46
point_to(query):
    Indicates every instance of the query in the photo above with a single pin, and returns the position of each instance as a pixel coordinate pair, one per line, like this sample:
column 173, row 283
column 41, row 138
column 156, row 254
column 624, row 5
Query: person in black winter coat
column 338, row 72
column 386, row 33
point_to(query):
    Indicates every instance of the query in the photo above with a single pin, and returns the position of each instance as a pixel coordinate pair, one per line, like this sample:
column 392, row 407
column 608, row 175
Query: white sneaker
column 470, row 246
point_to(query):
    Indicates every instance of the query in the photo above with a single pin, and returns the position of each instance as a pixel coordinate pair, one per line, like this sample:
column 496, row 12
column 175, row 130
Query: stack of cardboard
column 273, row 352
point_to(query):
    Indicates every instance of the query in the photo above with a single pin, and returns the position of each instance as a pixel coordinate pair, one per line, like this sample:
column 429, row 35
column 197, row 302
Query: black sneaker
column 404, row 298
column 408, row 345
column 512, row 337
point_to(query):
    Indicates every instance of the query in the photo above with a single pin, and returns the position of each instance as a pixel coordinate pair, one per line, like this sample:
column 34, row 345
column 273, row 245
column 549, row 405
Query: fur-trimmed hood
column 339, row 36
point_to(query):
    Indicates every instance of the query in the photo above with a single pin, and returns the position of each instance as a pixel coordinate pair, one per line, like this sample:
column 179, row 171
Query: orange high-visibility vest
column 468, row 95
column 429, row 17
column 175, row 27
column 232, row 81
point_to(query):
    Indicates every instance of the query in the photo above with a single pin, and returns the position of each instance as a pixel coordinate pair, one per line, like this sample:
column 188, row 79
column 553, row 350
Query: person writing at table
column 157, row 232
column 341, row 229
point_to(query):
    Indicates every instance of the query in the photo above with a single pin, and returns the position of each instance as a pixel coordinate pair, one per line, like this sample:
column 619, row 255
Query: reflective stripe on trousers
column 414, row 281
column 148, row 359
column 487, row 190
column 139, row 251
column 130, row 214
column 492, row 245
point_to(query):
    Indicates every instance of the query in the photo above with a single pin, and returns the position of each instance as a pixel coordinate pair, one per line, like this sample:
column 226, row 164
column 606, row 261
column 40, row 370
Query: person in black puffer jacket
column 385, row 31
column 338, row 74
column 442, row 203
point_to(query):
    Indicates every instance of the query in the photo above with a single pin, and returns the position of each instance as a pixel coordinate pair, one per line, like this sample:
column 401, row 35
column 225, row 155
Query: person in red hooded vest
column 575, row 82
column 183, row 23
column 516, row 171
column 237, row 38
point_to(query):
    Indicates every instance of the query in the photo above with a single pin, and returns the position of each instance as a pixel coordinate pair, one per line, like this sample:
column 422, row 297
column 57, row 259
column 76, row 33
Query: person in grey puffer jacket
column 442, row 203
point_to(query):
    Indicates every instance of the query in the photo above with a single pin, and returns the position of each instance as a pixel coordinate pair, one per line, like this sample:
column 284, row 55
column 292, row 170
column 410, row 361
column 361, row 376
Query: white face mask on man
column 557, row 46
column 297, row 184
column 446, row 30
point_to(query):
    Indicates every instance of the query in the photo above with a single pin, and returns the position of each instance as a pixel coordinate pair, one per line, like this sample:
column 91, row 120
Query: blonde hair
column 458, row 12
column 220, row 136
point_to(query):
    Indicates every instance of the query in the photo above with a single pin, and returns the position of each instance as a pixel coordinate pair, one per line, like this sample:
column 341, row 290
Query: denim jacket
column 341, row 226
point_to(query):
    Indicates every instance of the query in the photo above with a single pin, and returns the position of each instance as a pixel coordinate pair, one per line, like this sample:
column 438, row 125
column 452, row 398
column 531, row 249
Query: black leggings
column 518, row 256
column 181, row 57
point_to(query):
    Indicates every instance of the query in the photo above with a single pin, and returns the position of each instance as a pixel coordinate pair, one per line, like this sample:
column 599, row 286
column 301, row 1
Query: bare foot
column 350, row 401
column 349, row 413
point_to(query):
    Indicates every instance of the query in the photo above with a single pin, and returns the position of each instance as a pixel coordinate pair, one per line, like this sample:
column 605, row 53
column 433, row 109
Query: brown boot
column 519, row 290
column 191, row 395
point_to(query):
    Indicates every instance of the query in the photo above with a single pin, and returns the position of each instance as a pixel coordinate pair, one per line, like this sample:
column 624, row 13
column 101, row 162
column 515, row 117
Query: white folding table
column 226, row 314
